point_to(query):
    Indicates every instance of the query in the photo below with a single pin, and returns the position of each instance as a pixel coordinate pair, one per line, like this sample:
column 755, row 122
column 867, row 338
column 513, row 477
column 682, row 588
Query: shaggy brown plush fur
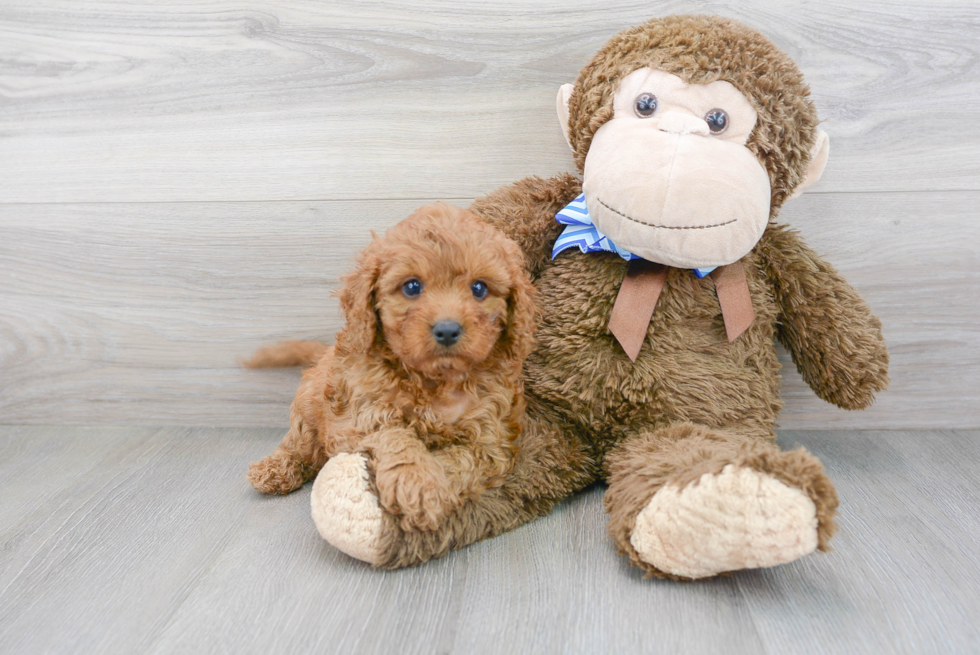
column 437, row 422
column 691, row 403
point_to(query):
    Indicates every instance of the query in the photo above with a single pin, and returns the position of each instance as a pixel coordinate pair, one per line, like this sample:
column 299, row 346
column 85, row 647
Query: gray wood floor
column 130, row 540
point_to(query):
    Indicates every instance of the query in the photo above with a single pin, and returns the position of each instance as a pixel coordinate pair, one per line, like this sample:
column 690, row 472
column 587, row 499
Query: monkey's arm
column 829, row 330
column 525, row 212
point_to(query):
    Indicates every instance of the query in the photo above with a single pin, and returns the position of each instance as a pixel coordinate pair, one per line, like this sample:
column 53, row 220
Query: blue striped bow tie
column 583, row 233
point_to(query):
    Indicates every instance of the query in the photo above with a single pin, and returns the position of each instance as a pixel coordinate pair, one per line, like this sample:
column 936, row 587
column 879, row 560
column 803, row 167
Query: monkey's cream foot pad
column 736, row 519
column 345, row 511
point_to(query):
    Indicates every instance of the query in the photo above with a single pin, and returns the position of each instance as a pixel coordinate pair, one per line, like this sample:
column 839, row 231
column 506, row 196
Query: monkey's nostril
column 447, row 332
column 675, row 122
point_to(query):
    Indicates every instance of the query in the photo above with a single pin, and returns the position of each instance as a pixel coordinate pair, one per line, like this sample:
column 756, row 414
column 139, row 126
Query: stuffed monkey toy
column 663, row 281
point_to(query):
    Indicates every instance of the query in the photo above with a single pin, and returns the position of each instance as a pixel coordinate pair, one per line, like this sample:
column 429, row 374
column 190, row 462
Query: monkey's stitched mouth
column 665, row 227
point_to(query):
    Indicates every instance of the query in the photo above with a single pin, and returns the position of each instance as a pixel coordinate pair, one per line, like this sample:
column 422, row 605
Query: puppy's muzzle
column 447, row 333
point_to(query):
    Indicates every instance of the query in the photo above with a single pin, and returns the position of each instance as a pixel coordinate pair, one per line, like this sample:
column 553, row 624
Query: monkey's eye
column 412, row 288
column 717, row 120
column 645, row 105
column 479, row 290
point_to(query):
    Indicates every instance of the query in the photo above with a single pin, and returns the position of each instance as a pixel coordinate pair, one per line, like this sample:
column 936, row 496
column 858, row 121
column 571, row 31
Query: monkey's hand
column 833, row 337
column 525, row 212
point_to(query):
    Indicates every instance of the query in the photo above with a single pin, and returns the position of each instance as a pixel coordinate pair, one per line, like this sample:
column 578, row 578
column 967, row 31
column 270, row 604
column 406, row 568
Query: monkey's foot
column 738, row 518
column 345, row 510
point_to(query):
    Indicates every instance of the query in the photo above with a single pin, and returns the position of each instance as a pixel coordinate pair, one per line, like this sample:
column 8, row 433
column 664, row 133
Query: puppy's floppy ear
column 357, row 300
column 522, row 311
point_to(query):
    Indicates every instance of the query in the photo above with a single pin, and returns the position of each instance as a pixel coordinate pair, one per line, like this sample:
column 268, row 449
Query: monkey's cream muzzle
column 686, row 200
column 668, row 189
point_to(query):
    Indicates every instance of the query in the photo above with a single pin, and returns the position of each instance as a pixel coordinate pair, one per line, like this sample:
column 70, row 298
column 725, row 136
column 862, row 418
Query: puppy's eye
column 412, row 288
column 479, row 290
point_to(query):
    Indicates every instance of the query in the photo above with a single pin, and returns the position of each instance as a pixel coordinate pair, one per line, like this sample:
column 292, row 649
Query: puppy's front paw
column 420, row 496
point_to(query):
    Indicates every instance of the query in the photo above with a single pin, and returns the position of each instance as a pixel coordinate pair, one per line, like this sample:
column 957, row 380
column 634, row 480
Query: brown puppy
column 425, row 377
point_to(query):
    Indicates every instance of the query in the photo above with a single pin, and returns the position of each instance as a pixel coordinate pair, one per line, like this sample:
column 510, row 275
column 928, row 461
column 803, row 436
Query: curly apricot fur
column 438, row 423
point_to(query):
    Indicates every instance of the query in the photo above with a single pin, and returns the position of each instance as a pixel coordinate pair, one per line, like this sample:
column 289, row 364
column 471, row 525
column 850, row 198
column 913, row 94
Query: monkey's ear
column 564, row 93
column 818, row 160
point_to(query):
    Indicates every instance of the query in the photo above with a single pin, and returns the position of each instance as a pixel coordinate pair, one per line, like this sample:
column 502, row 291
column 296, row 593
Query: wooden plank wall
column 181, row 182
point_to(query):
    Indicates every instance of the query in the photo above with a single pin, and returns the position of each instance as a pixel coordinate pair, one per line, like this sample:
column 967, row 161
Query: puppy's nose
column 447, row 332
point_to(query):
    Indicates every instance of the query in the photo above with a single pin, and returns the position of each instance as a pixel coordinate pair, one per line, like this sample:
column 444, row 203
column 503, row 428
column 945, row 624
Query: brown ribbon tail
column 734, row 298
column 635, row 302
